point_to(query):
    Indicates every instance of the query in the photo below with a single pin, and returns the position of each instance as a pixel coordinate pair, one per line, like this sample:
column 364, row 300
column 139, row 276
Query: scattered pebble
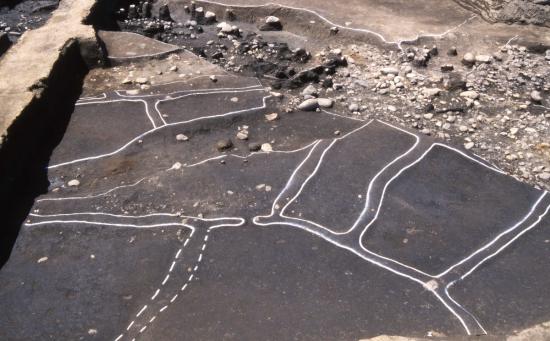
column 73, row 183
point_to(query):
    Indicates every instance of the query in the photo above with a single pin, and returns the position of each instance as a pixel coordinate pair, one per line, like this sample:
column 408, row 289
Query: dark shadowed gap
column 29, row 143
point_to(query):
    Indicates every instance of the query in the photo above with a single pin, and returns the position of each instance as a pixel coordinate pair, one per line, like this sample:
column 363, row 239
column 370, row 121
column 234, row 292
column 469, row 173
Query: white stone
column 73, row 183
column 141, row 80
column 309, row 105
column 182, row 137
column 272, row 117
column 325, row 102
column 469, row 94
column 272, row 20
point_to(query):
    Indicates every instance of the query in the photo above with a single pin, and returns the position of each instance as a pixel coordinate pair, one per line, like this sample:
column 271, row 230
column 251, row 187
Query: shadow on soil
column 26, row 150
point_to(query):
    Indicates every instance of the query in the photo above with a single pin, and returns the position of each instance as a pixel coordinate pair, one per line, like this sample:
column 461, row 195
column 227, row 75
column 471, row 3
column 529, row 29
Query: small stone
column 141, row 80
column 127, row 81
column 176, row 166
column 224, row 144
column 463, row 128
column 483, row 58
column 353, row 107
column 209, row 18
column 325, row 102
column 310, row 90
column 544, row 176
column 213, row 78
column 242, row 135
column 234, row 99
column 468, row 59
column 431, row 92
column 272, row 23
column 469, row 94
column 226, row 28
column 182, row 137
column 174, row 68
column 73, row 183
column 42, row 260
column 266, row 147
column 260, row 187
column 392, row 108
column 469, row 145
column 92, row 331
column 536, row 96
column 309, row 105
column 272, row 117
column 389, row 71
column 428, row 116
column 254, row 146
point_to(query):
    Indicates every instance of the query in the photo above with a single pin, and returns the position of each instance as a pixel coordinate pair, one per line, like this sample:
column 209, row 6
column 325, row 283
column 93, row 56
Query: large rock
column 309, row 105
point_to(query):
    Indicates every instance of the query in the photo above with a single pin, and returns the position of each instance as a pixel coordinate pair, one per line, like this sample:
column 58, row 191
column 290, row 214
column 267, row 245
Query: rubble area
column 494, row 104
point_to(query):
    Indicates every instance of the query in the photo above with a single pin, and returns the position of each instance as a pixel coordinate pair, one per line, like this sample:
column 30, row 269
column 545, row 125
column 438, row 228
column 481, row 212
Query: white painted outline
column 94, row 195
column 378, row 259
column 123, row 100
column 135, row 139
column 225, row 222
column 398, row 43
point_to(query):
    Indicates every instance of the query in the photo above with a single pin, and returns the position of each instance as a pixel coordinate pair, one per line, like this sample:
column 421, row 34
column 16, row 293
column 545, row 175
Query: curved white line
column 503, row 233
column 187, row 81
column 508, row 243
column 145, row 226
column 250, row 155
column 455, row 302
column 123, row 100
column 361, row 30
column 92, row 196
column 205, row 90
column 158, row 128
column 366, row 206
column 198, row 94
column 102, row 96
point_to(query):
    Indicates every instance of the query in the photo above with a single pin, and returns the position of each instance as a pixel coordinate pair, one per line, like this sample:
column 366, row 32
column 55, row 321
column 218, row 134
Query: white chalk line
column 398, row 43
column 291, row 180
column 384, row 194
column 94, row 195
column 199, row 94
column 219, row 157
column 102, row 96
column 189, row 93
column 135, row 100
column 120, row 91
column 194, row 270
column 319, row 163
column 263, row 106
column 369, row 191
column 185, row 166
